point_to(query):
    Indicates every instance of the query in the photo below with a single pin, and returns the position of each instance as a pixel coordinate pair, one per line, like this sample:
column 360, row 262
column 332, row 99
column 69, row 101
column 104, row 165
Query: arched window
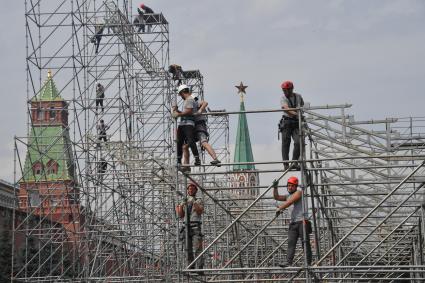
column 252, row 183
column 241, row 181
column 52, row 167
column 37, row 168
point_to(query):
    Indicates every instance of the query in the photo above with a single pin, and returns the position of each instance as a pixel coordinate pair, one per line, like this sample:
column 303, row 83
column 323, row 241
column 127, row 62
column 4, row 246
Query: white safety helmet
column 195, row 95
column 182, row 87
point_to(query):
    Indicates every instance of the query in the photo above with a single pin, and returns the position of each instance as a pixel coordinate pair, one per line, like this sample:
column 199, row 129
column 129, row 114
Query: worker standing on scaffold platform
column 289, row 124
column 186, row 128
column 139, row 21
column 193, row 208
column 298, row 222
column 148, row 16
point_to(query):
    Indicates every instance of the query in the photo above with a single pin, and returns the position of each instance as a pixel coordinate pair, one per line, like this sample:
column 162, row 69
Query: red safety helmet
column 293, row 180
column 287, row 85
column 142, row 6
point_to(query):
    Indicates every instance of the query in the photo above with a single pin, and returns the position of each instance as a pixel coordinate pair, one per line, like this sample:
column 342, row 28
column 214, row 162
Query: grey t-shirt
column 297, row 209
column 188, row 120
column 296, row 100
column 194, row 217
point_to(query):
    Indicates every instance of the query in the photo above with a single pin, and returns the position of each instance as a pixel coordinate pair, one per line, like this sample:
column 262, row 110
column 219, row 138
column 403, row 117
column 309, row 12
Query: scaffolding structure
column 115, row 221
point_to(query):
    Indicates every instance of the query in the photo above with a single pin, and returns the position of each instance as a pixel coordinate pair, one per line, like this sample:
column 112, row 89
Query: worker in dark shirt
column 139, row 21
column 148, row 16
column 100, row 96
column 98, row 32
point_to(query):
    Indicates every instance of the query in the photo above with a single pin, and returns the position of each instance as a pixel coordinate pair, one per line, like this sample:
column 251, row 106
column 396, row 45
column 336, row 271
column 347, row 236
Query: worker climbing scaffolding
column 99, row 27
column 101, row 132
column 100, row 96
column 299, row 227
column 191, row 209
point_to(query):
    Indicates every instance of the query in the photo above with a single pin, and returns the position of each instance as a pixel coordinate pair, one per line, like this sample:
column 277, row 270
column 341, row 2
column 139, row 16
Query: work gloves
column 278, row 211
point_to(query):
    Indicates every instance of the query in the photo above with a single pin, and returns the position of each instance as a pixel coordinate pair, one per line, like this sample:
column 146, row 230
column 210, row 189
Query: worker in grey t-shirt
column 297, row 225
column 289, row 125
column 186, row 128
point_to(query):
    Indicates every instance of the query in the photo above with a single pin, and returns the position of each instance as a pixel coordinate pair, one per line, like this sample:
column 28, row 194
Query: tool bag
column 308, row 226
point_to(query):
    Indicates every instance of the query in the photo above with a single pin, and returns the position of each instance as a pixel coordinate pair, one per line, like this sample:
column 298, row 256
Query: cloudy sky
column 368, row 53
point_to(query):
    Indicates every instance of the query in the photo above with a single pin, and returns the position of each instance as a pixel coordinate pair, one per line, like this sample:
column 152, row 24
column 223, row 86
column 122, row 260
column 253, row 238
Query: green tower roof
column 49, row 144
column 48, row 92
column 243, row 149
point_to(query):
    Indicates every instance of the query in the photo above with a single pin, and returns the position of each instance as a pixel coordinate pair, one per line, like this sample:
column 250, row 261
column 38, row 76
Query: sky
column 367, row 53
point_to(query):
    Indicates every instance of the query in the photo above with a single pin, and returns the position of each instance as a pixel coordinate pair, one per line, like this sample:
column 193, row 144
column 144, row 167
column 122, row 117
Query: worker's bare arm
column 293, row 198
column 276, row 195
column 291, row 113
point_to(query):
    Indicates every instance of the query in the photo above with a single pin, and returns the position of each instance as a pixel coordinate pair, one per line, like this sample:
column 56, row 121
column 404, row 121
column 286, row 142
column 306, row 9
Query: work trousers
column 186, row 134
column 99, row 102
column 289, row 131
column 195, row 246
column 98, row 37
column 296, row 230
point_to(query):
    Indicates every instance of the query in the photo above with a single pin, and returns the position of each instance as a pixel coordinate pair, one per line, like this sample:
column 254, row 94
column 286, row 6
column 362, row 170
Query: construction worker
column 289, row 124
column 100, row 96
column 177, row 72
column 194, row 208
column 186, row 128
column 201, row 130
column 102, row 166
column 101, row 131
column 139, row 21
column 298, row 223
column 148, row 16
column 98, row 31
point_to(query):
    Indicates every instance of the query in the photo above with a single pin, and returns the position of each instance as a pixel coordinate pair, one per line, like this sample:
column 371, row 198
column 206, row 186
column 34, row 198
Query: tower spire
column 243, row 149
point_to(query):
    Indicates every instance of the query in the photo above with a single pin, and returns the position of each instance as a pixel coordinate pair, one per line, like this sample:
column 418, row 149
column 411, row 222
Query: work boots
column 216, row 162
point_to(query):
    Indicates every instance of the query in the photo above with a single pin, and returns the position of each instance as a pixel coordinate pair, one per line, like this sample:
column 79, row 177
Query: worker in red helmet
column 139, row 20
column 289, row 124
column 148, row 16
column 298, row 222
column 192, row 208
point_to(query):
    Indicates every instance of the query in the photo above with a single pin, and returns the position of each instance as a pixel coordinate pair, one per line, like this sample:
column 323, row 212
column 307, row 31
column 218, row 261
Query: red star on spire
column 241, row 88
